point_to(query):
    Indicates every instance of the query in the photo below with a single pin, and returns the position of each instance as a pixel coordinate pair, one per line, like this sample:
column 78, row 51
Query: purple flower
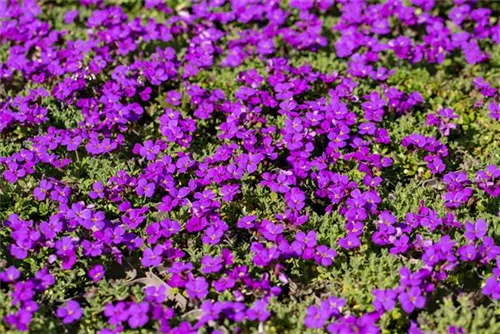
column 20, row 320
column 60, row 194
column 384, row 299
column 197, row 288
column 144, row 188
column 138, row 314
column 152, row 257
column 229, row 191
column 472, row 52
column 96, row 273
column 401, row 245
column 211, row 264
column 246, row 222
column 69, row 312
column 494, row 109
column 156, row 294
column 455, row 199
column 349, row 242
column 212, row 236
column 116, row 314
column 411, row 299
column 11, row 274
column 315, row 317
column 332, row 306
column 42, row 190
column 70, row 16
column 467, row 253
column 44, row 279
column 97, row 190
column 295, row 199
column 484, row 87
column 258, row 311
column 14, row 173
column 174, row 97
column 492, row 285
column 477, row 230
column 308, row 240
column 149, row 150
column 324, row 255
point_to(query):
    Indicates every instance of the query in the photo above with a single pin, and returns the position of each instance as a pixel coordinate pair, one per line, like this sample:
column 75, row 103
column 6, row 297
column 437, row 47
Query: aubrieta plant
column 244, row 166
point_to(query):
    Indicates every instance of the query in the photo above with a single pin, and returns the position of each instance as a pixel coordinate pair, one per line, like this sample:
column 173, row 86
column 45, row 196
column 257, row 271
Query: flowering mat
column 246, row 166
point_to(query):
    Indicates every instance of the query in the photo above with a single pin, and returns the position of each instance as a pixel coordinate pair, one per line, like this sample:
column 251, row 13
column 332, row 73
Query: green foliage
column 462, row 312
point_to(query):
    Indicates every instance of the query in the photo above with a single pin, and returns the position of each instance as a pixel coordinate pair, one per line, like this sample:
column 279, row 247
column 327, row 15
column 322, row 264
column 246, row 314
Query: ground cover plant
column 247, row 166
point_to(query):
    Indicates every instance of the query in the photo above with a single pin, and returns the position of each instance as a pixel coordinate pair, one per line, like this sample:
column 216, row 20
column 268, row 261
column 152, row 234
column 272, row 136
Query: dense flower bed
column 239, row 166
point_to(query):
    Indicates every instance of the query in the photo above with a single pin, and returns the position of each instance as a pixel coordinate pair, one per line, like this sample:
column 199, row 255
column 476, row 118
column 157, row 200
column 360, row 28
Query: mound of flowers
column 247, row 166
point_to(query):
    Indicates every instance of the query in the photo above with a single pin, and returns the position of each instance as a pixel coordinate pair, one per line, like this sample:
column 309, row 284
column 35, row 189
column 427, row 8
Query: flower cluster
column 434, row 150
column 443, row 120
column 488, row 180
